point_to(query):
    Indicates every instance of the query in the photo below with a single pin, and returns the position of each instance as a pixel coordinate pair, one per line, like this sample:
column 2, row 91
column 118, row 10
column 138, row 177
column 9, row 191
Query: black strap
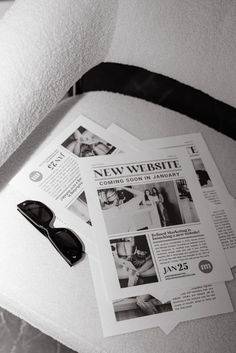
column 167, row 92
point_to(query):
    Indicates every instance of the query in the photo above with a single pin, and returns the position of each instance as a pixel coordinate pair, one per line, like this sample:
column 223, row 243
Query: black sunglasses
column 63, row 239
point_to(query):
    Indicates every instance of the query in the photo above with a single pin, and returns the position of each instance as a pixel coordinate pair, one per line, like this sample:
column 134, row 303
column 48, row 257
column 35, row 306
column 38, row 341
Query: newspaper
column 141, row 243
column 61, row 157
column 199, row 144
column 212, row 185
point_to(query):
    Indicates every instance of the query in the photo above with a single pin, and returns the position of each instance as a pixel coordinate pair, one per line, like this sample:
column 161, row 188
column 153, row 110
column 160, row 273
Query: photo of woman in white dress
column 158, row 199
column 139, row 207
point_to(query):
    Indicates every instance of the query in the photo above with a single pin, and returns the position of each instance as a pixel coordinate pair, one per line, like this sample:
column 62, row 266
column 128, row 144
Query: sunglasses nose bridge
column 43, row 230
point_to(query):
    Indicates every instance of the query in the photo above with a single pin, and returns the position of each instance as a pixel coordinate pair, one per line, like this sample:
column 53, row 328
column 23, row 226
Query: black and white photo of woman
column 159, row 202
column 142, row 305
column 147, row 206
column 84, row 143
column 127, row 209
column 202, row 174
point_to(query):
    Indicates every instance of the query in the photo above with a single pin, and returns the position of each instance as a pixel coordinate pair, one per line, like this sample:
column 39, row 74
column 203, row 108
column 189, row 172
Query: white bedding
column 37, row 286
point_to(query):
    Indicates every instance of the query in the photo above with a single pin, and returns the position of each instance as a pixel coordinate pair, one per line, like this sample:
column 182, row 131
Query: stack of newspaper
column 155, row 217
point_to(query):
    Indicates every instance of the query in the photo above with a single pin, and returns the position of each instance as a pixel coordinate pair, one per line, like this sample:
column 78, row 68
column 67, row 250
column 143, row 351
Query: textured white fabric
column 45, row 46
column 37, row 285
column 191, row 41
column 4, row 6
column 48, row 45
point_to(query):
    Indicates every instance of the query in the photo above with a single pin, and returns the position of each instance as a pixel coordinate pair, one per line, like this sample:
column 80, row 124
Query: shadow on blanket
column 159, row 89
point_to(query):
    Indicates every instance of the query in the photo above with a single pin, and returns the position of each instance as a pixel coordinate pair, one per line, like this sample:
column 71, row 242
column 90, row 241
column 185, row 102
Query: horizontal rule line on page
column 176, row 276
column 181, row 225
column 167, row 159
column 147, row 231
column 185, row 144
column 124, row 235
column 136, row 175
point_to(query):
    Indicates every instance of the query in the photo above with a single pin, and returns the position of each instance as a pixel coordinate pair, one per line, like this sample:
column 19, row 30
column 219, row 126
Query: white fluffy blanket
column 45, row 46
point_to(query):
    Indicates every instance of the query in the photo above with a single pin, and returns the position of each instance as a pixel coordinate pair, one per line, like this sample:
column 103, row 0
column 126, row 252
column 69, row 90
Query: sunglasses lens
column 67, row 243
column 37, row 211
column 64, row 240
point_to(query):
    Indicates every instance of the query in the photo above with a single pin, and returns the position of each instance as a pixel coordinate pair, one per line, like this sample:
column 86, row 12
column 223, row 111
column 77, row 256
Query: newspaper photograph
column 212, row 185
column 142, row 206
column 151, row 224
column 54, row 177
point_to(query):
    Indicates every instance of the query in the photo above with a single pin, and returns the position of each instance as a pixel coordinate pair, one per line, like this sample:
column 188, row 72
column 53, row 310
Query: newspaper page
column 54, row 177
column 140, row 312
column 141, row 244
column 212, row 185
column 221, row 295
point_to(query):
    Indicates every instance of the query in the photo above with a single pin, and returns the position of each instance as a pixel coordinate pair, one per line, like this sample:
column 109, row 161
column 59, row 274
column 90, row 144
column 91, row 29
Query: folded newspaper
column 154, row 216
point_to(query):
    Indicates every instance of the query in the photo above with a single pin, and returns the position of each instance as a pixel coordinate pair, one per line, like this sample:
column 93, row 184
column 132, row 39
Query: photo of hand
column 133, row 260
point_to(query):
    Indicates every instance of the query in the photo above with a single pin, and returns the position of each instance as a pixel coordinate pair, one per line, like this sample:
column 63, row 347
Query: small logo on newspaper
column 36, row 176
column 205, row 266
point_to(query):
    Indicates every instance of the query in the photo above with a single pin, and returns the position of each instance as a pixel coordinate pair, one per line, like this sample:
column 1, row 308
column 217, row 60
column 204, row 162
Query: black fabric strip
column 157, row 88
